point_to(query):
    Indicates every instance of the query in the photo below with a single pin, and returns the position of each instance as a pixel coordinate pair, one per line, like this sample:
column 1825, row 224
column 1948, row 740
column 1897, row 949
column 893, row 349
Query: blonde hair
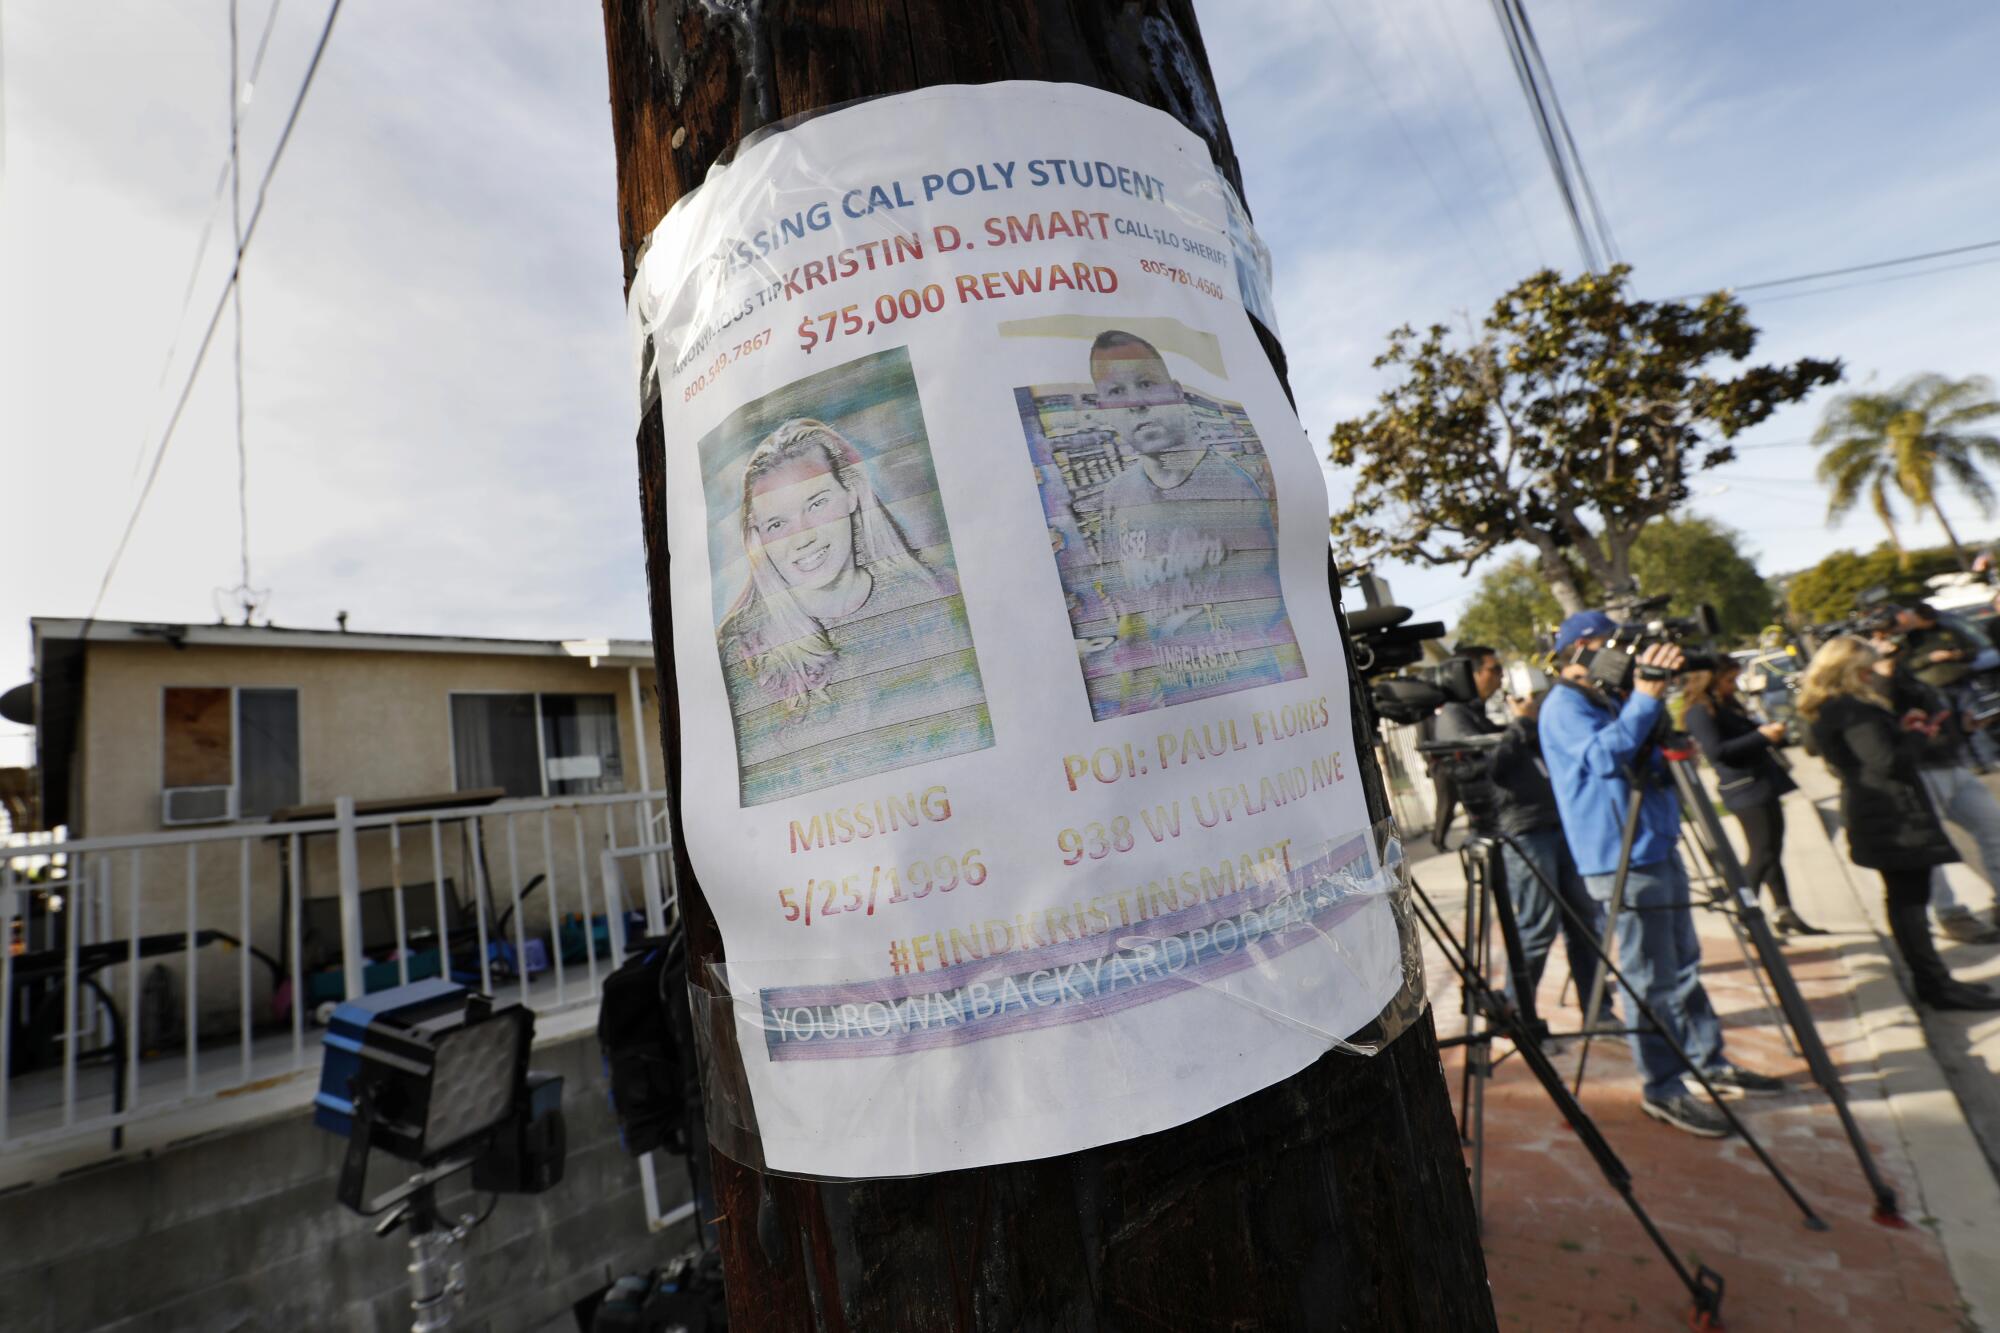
column 794, row 654
column 1844, row 667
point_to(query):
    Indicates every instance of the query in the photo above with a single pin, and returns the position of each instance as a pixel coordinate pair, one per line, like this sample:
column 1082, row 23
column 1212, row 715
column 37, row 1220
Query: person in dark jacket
column 1891, row 825
column 1750, row 778
column 1518, row 802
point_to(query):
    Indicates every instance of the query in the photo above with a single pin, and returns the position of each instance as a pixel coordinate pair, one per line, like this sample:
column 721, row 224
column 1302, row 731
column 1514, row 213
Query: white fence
column 146, row 975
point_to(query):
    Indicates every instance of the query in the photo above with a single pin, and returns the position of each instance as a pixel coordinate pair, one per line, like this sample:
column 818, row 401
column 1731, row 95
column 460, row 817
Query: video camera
column 1616, row 664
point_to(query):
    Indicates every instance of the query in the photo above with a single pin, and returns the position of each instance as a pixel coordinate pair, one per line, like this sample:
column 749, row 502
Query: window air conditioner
column 198, row 805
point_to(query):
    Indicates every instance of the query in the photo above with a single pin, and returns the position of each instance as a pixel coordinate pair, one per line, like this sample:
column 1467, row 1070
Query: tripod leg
column 1717, row 877
column 1500, row 892
column 1626, row 837
column 1791, row 1002
column 1704, row 1285
column 1644, row 1013
column 1469, row 870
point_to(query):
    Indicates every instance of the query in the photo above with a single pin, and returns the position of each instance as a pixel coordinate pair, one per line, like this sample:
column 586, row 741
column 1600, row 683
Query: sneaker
column 1732, row 1079
column 1688, row 1115
column 1967, row 929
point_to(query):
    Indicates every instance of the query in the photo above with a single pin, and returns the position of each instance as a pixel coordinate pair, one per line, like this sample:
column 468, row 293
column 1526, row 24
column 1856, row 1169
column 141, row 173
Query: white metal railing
column 659, row 898
column 96, row 940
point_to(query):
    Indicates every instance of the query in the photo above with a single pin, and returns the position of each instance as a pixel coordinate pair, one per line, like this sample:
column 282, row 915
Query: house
column 141, row 727
column 259, row 822
column 202, row 774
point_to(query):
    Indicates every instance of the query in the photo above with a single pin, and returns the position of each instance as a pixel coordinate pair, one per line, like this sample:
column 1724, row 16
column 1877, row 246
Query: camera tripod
column 1730, row 894
column 1490, row 1014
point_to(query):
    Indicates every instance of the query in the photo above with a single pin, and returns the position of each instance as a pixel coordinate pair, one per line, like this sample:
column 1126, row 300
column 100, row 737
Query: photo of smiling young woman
column 846, row 650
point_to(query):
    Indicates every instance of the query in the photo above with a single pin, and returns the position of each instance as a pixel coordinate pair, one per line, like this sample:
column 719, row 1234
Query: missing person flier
column 1015, row 752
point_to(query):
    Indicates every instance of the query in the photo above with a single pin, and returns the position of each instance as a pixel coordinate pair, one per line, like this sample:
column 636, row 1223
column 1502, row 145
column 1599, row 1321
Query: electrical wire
column 215, row 317
column 1607, row 243
column 1876, row 282
column 1593, row 232
column 1590, row 100
column 236, row 300
column 1851, row 268
column 1524, row 77
column 222, row 178
column 1409, row 144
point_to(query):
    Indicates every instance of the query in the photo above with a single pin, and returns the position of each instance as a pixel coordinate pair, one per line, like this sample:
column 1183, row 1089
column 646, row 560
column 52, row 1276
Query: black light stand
column 1646, row 1015
column 1747, row 909
column 1704, row 1285
column 1740, row 902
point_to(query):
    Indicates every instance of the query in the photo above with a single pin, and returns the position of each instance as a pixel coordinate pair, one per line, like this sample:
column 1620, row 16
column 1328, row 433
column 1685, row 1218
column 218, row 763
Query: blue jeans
column 1984, row 750
column 1661, row 960
column 1962, row 799
column 1537, row 913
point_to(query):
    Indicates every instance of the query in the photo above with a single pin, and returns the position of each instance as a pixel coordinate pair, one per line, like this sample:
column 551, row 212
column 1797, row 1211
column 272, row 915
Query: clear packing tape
column 1335, row 925
column 678, row 315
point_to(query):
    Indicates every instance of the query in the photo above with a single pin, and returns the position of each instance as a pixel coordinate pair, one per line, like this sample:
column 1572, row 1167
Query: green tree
column 1697, row 560
column 1572, row 417
column 1694, row 560
column 1908, row 441
column 1828, row 591
column 1510, row 608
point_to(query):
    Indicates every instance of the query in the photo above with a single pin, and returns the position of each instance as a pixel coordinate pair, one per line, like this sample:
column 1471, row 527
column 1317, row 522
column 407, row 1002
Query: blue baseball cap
column 1583, row 625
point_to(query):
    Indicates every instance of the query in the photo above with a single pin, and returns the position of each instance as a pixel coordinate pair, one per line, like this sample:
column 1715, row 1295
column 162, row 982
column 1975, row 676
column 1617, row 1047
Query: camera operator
column 1591, row 741
column 1944, row 766
column 1941, row 657
column 1522, row 806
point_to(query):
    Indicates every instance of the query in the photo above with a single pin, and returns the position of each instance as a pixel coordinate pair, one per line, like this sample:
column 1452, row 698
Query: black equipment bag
column 646, row 1034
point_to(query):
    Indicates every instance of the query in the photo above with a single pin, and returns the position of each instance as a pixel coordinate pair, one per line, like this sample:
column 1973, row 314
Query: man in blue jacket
column 1591, row 742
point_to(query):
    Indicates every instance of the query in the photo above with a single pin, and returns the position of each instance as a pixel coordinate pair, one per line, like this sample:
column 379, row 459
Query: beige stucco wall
column 372, row 725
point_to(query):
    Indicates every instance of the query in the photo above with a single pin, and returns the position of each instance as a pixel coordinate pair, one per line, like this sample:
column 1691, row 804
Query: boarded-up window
column 199, row 738
column 246, row 739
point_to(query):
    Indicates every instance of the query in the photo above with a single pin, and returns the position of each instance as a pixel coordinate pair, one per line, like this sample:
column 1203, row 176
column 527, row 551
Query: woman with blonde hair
column 822, row 550
column 1891, row 825
column 1750, row 777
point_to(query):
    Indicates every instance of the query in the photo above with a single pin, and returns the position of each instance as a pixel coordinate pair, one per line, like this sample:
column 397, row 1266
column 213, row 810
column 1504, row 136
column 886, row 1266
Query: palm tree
column 1908, row 441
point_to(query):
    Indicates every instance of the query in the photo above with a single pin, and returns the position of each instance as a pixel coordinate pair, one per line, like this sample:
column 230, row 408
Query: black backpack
column 646, row 1034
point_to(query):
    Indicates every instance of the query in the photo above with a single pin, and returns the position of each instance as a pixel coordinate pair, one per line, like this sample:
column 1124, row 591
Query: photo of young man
column 1166, row 533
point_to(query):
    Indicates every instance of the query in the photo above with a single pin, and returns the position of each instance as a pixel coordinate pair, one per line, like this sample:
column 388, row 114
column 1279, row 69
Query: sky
column 438, row 417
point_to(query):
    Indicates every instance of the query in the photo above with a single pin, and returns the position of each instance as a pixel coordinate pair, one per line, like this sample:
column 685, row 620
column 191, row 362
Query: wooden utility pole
column 1336, row 1199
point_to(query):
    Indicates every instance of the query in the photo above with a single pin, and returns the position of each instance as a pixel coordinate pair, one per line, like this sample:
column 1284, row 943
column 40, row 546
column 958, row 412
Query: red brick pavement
column 1565, row 1254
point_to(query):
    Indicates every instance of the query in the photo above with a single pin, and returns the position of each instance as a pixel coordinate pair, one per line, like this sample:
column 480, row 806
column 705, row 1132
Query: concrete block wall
column 241, row 1232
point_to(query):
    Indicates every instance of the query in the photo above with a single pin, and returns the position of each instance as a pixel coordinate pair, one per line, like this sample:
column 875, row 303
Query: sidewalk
column 1563, row 1251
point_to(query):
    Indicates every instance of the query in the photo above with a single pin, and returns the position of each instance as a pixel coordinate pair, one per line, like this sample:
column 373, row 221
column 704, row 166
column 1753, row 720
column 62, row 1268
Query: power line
column 236, row 301
column 1876, row 282
column 215, row 317
column 1593, row 232
column 222, row 179
column 1851, row 268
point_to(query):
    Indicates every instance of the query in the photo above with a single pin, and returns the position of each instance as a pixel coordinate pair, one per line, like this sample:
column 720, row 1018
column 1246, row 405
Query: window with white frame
column 229, row 752
column 537, row 744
